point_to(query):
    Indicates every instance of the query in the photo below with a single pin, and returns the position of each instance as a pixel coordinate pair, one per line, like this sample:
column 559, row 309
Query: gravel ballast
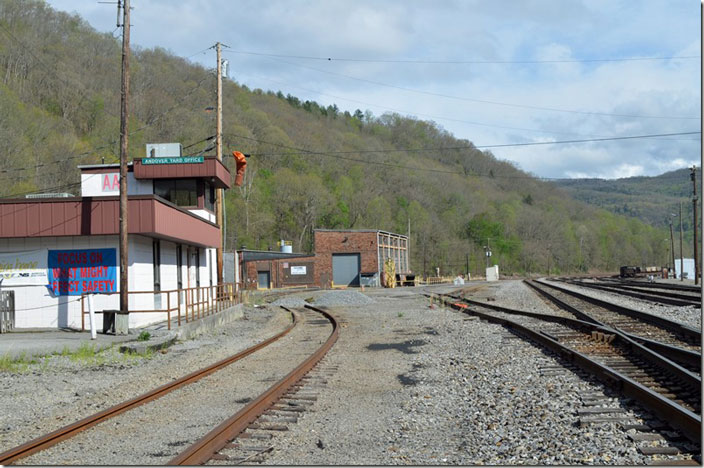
column 415, row 384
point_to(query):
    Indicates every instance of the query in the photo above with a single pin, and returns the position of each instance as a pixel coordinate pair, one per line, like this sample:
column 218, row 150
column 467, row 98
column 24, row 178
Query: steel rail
column 66, row 432
column 215, row 440
column 675, row 327
column 689, row 358
column 653, row 356
column 678, row 417
column 643, row 284
column 662, row 298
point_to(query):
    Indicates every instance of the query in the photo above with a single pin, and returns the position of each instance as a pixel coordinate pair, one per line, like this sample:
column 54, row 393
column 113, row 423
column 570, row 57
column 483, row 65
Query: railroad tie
column 667, row 450
column 585, row 411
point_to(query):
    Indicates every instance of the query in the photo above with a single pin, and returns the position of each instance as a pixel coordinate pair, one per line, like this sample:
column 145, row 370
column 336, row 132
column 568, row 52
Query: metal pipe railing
column 199, row 302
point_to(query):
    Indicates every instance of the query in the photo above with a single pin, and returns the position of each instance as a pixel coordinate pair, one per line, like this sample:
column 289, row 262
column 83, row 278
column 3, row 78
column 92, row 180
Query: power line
column 485, row 101
column 401, row 111
column 468, row 62
column 337, row 154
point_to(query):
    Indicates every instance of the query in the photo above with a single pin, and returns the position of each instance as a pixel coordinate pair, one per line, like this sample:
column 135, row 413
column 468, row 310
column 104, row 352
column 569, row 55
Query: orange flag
column 241, row 164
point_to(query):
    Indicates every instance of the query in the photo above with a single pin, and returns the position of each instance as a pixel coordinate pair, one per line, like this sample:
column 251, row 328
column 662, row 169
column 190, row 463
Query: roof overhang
column 209, row 168
column 148, row 215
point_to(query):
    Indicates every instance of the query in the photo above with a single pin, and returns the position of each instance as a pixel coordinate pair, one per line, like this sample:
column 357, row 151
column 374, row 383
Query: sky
column 500, row 72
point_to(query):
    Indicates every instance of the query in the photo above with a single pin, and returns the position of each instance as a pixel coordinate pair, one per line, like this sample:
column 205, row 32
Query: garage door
column 345, row 269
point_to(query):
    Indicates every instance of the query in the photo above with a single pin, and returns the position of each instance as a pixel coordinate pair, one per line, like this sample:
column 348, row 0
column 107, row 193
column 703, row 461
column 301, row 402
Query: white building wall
column 35, row 307
column 205, row 214
column 688, row 268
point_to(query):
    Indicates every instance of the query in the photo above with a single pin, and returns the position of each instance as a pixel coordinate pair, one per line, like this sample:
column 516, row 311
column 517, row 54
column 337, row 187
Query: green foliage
column 144, row 336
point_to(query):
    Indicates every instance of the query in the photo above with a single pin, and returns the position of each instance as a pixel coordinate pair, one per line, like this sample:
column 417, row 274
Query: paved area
column 40, row 341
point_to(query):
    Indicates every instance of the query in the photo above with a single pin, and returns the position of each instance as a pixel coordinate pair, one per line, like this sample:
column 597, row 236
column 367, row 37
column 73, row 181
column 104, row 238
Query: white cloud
column 464, row 30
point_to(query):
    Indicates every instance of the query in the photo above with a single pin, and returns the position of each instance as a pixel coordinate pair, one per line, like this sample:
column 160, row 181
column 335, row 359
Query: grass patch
column 144, row 336
column 86, row 355
column 19, row 364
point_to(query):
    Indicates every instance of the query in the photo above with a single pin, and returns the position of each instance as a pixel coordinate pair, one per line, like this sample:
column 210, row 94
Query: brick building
column 269, row 269
column 342, row 258
column 356, row 257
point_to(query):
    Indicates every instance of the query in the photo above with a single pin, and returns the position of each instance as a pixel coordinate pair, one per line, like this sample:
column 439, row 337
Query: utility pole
column 218, row 155
column 681, row 253
column 693, row 175
column 672, row 248
column 124, row 95
column 408, row 246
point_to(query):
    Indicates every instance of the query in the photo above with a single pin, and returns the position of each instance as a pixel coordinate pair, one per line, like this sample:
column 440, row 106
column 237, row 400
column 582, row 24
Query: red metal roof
column 210, row 168
column 148, row 215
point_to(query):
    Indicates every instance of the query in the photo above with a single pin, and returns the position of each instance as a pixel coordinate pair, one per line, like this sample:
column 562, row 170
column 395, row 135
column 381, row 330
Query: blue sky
column 381, row 52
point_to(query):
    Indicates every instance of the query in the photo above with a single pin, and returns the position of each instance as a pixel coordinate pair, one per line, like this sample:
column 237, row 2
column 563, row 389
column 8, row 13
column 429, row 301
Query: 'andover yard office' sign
column 76, row 272
column 174, row 160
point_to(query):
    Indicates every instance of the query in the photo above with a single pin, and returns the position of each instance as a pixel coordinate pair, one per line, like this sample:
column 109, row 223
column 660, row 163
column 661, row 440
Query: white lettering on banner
column 298, row 270
column 24, row 268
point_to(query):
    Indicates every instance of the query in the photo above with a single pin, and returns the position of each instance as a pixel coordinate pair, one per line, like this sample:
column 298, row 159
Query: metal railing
column 187, row 304
column 7, row 311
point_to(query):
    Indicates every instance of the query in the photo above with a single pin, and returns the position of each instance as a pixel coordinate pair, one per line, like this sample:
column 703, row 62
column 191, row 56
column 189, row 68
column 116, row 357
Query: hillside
column 311, row 166
column 653, row 200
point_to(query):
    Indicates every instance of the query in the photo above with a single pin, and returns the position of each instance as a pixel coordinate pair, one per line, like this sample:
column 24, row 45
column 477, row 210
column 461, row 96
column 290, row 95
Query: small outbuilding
column 356, row 257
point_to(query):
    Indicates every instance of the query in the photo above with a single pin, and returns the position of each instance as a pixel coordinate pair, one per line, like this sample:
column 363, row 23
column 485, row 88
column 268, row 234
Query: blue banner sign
column 76, row 272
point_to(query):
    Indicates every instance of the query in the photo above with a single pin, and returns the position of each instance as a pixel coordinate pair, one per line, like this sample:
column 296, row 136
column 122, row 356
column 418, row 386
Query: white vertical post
column 91, row 314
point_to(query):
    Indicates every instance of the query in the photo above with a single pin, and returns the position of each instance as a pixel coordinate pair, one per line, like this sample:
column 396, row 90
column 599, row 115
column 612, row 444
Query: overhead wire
column 468, row 62
column 401, row 111
column 338, row 154
column 486, row 101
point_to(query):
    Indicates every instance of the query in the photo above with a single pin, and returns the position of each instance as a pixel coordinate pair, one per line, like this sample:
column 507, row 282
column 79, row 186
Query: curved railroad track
column 663, row 388
column 153, row 428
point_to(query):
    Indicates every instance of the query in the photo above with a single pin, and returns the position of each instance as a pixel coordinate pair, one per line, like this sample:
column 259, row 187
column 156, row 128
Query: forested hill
column 653, row 200
column 311, row 166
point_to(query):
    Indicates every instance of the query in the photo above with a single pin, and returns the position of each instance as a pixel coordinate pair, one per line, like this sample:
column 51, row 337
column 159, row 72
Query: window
column 156, row 260
column 180, row 192
column 197, row 268
column 209, row 197
column 210, row 265
column 179, row 265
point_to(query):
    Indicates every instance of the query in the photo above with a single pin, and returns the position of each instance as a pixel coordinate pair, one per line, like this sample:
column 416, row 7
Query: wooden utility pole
column 218, row 155
column 694, row 224
column 124, row 94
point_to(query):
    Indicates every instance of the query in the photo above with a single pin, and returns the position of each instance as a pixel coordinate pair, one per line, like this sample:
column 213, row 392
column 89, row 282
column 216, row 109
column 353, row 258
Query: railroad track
column 656, row 285
column 154, row 427
column 670, row 392
column 678, row 342
column 652, row 294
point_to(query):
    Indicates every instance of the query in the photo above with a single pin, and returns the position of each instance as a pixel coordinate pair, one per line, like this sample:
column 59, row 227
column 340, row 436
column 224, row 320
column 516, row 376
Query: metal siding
column 87, row 217
column 345, row 269
column 209, row 168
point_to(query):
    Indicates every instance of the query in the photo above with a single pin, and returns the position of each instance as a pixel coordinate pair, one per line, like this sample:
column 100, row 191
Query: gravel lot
column 416, row 384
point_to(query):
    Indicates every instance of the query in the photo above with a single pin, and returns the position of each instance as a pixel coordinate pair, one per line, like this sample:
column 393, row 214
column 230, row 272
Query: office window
column 181, row 192
column 209, row 195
